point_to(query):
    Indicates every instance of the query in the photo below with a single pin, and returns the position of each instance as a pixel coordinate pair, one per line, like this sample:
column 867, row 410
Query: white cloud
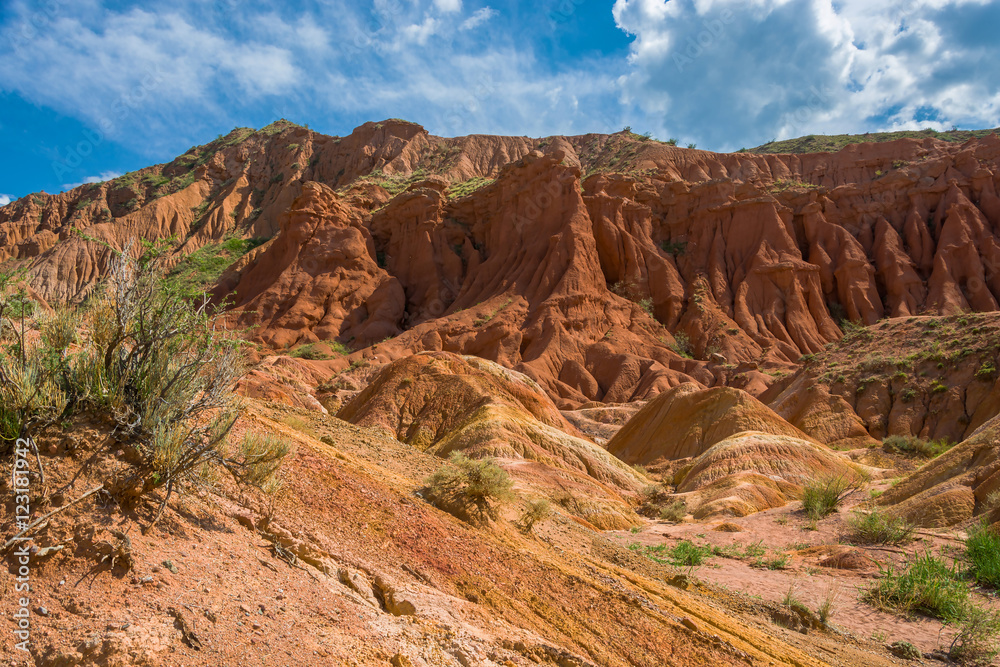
column 110, row 68
column 104, row 176
column 479, row 17
column 4, row 200
column 731, row 72
column 448, row 6
column 421, row 32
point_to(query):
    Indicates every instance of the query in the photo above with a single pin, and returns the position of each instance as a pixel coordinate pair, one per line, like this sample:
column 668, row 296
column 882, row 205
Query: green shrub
column 481, row 485
column 675, row 511
column 879, row 527
column 687, row 554
column 682, row 345
column 926, row 585
column 822, row 497
column 260, row 456
column 537, row 511
column 982, row 551
column 311, row 352
column 987, row 371
column 906, row 444
column 675, row 248
column 151, row 360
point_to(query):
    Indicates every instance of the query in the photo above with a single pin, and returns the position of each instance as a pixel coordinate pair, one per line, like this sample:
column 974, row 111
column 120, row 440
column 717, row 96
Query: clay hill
column 653, row 357
column 605, row 267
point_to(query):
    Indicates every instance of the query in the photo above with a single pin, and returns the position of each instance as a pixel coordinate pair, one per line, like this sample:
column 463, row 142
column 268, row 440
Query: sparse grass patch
column 683, row 554
column 825, row 609
column 879, row 527
column 822, row 497
column 199, row 270
column 982, row 551
column 903, row 444
column 465, row 188
column 926, row 585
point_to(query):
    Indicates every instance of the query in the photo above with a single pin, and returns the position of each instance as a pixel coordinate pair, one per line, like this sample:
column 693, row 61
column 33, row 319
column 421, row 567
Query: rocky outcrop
column 579, row 282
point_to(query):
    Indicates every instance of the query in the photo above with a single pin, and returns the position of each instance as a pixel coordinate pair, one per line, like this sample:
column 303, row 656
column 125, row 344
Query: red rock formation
column 751, row 256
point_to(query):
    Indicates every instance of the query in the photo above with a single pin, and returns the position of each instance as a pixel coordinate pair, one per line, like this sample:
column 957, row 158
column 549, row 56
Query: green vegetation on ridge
column 817, row 143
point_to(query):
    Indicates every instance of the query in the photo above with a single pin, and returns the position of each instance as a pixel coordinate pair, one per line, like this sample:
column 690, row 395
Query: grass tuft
column 879, row 527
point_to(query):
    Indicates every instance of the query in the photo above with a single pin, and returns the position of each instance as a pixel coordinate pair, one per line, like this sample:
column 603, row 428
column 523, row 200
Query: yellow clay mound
column 960, row 484
column 751, row 472
column 687, row 420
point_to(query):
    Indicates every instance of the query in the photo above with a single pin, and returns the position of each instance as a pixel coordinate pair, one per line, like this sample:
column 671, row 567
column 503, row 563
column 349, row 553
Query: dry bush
column 467, row 484
column 151, row 357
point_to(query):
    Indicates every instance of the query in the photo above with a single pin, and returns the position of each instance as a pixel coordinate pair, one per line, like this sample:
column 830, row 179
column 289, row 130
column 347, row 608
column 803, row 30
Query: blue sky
column 93, row 88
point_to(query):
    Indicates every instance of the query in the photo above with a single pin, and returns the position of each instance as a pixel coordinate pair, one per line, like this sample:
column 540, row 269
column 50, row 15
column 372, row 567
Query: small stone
column 42, row 611
column 170, row 566
column 62, row 582
column 257, row 626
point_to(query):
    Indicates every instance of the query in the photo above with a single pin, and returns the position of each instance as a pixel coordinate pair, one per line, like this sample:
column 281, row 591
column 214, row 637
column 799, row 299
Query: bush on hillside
column 147, row 353
column 466, row 484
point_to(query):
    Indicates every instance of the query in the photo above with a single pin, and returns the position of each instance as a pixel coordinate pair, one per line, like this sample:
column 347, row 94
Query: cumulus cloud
column 722, row 73
column 730, row 72
column 104, row 176
column 4, row 200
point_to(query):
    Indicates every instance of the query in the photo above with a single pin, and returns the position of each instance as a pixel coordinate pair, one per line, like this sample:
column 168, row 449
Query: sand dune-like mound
column 753, row 471
column 442, row 403
column 955, row 487
column 687, row 420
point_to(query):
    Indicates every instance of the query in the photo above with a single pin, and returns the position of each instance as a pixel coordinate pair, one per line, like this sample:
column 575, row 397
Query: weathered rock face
column 579, row 285
column 318, row 279
column 930, row 377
